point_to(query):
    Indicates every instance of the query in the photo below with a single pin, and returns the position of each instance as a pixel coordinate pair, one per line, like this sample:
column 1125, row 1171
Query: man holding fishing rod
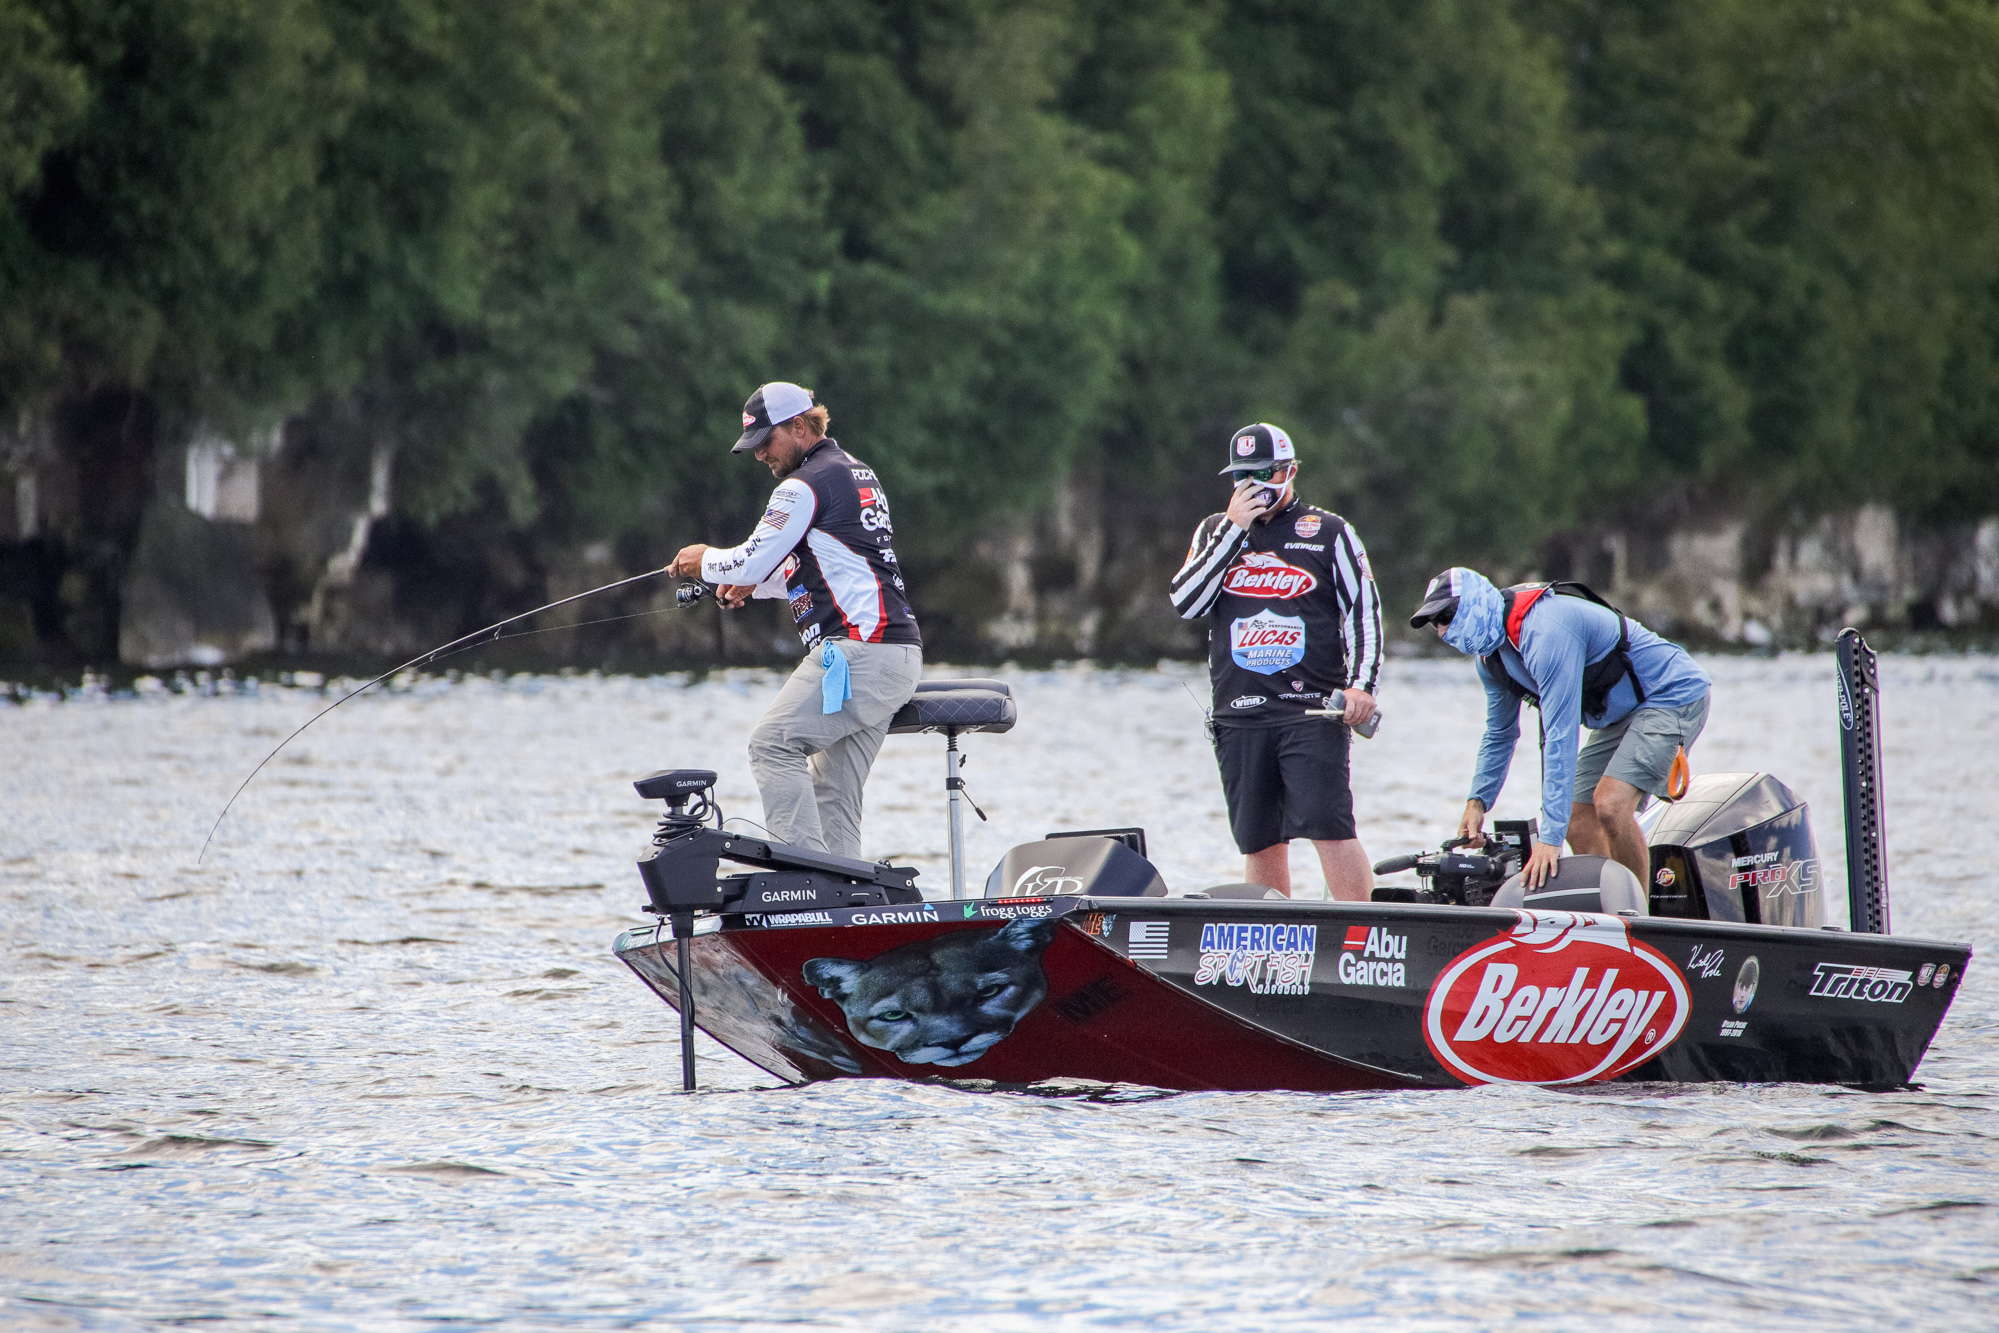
column 823, row 545
column 1294, row 636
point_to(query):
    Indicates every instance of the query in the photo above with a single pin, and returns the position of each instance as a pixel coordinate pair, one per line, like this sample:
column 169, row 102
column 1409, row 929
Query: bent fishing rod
column 686, row 595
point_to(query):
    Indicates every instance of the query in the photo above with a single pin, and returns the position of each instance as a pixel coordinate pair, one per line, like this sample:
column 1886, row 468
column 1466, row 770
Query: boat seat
column 1579, row 884
column 971, row 704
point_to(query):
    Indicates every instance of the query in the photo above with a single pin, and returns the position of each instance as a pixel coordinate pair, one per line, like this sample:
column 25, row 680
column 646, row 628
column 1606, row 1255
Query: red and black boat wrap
column 1196, row 994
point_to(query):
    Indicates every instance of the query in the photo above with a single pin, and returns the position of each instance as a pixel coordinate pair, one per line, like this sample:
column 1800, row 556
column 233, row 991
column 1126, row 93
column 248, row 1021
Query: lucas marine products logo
column 1270, row 960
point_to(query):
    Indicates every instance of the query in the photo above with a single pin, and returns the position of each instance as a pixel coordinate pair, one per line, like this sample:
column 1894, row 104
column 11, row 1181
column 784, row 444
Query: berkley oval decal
column 1563, row 997
column 1261, row 575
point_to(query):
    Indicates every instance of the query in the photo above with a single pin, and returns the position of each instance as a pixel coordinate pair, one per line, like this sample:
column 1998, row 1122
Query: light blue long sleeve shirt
column 1558, row 639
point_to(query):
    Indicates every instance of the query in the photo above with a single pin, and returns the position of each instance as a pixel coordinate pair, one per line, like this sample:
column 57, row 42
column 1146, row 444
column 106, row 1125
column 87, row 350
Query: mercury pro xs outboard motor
column 1466, row 879
column 1737, row 847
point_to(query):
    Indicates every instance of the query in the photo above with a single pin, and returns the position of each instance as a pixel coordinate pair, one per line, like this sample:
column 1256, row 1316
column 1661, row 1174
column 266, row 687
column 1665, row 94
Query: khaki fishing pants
column 809, row 764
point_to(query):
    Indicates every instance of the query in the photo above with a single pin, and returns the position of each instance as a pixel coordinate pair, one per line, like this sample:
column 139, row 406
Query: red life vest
column 1599, row 677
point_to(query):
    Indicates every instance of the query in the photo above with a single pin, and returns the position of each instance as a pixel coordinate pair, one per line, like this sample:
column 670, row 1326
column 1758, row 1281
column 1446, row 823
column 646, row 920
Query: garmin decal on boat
column 1045, row 882
column 1853, row 981
column 1247, row 700
column 790, row 895
column 1563, row 997
column 767, row 920
column 1372, row 956
column 1271, row 959
column 1148, row 939
column 1267, row 642
column 903, row 916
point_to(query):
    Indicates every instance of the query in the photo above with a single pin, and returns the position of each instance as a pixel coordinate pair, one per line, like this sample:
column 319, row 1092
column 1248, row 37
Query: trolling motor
column 681, row 879
column 1462, row 879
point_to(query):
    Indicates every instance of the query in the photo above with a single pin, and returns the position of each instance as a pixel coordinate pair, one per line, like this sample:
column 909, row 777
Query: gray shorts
column 1638, row 748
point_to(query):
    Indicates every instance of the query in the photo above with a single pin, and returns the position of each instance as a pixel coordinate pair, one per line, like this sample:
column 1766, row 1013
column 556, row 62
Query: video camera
column 1463, row 879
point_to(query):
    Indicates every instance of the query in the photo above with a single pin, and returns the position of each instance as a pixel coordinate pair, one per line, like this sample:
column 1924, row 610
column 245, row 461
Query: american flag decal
column 776, row 517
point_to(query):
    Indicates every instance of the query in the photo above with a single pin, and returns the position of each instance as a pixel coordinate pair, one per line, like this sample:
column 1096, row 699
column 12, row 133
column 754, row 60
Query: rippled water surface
column 373, row 1065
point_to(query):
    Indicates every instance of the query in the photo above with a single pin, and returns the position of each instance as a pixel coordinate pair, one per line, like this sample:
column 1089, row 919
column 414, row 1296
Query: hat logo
column 1245, row 446
column 749, row 419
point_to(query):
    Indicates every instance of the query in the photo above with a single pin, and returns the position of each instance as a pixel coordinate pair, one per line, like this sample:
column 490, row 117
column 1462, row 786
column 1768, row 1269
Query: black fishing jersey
column 823, row 545
column 1294, row 613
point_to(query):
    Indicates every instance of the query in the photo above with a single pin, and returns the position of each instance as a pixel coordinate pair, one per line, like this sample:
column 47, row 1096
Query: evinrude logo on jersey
column 1851, row 981
column 1267, row 642
column 1259, row 574
column 1045, row 882
column 1563, row 997
column 1372, row 956
column 1268, row 959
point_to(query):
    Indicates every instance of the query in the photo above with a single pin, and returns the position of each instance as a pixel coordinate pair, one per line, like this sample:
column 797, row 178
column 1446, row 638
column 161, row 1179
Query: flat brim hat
column 1259, row 446
column 772, row 405
column 1440, row 600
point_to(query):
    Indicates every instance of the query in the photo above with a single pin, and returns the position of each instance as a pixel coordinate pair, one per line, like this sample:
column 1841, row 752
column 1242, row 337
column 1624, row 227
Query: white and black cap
column 1260, row 446
column 772, row 405
column 1440, row 600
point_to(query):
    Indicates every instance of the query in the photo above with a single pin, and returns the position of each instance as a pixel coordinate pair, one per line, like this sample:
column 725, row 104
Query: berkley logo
column 1261, row 575
column 1564, row 997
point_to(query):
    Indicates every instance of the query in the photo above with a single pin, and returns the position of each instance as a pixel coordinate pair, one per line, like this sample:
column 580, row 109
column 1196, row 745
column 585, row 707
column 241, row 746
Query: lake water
column 372, row 1065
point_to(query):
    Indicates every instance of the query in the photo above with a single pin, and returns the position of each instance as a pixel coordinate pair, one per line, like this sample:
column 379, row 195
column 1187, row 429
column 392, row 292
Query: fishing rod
column 686, row 595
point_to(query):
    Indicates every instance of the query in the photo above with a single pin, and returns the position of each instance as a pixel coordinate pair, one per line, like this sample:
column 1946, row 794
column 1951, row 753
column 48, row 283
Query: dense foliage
column 1499, row 266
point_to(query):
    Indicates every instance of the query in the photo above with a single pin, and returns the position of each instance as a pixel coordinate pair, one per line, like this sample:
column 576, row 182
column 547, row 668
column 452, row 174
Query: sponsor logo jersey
column 1293, row 613
column 823, row 545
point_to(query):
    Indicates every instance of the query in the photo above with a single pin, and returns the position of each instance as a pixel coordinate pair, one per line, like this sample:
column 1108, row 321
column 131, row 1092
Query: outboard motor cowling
column 1579, row 884
column 1737, row 847
column 1099, row 867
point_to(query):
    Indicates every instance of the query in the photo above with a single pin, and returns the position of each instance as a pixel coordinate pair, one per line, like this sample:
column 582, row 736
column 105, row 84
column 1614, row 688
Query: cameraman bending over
column 1563, row 649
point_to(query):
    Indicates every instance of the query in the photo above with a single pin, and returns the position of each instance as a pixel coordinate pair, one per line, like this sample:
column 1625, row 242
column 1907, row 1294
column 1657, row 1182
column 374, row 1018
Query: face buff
column 836, row 686
column 1480, row 621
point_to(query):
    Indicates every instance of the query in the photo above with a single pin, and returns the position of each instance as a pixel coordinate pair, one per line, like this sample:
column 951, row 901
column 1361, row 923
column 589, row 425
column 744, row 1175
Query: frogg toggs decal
column 1564, row 997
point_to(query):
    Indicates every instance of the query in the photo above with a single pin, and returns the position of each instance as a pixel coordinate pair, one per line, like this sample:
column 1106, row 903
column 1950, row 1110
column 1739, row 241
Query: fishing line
column 423, row 660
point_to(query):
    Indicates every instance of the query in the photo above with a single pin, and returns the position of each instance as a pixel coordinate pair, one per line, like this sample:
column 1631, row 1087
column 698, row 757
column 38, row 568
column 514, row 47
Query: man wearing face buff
column 1583, row 663
column 1293, row 618
column 823, row 545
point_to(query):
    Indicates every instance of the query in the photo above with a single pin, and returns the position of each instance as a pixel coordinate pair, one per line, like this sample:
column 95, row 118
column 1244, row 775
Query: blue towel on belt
column 836, row 686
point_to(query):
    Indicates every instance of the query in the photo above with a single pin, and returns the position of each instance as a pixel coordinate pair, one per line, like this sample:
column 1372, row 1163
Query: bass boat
column 1076, row 962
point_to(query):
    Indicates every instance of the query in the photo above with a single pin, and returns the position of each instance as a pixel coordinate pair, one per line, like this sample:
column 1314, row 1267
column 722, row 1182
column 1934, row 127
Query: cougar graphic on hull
column 942, row 1001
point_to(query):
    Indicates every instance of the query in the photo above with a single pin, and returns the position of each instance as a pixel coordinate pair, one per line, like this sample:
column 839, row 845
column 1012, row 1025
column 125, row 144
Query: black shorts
column 1286, row 782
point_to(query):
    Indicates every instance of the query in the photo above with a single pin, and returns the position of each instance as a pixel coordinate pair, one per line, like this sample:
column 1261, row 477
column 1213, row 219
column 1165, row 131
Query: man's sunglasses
column 1261, row 474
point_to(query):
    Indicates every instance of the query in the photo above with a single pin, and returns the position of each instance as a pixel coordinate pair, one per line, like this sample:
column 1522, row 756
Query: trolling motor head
column 677, row 786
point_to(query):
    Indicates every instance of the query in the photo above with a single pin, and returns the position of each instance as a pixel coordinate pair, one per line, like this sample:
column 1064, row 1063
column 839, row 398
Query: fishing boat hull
column 1197, row 994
